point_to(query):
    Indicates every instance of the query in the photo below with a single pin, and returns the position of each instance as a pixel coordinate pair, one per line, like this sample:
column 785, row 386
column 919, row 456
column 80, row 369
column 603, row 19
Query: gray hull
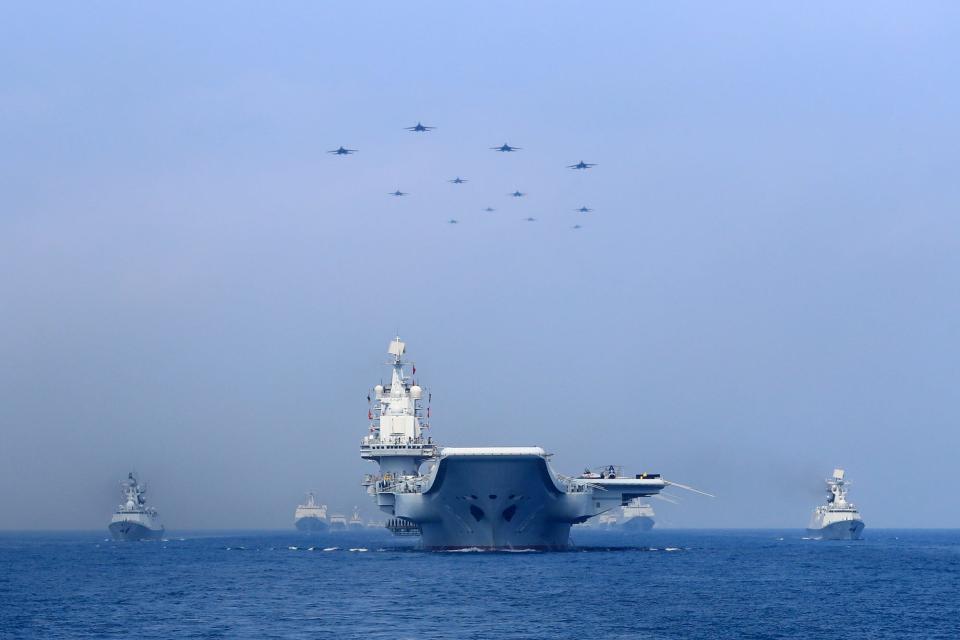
column 846, row 530
column 492, row 502
column 311, row 525
column 131, row 531
column 640, row 523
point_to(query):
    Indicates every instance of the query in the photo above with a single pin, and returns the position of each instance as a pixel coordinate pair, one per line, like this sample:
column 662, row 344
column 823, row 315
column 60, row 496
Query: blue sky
column 766, row 288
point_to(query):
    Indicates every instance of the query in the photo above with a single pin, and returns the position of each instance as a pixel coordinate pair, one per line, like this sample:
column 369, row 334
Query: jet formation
column 504, row 148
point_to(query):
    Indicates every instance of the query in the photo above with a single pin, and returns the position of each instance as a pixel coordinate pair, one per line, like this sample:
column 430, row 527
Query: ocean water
column 663, row 584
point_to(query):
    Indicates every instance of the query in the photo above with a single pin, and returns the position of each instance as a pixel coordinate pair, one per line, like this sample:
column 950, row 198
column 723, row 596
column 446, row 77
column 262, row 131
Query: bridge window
column 509, row 512
column 476, row 512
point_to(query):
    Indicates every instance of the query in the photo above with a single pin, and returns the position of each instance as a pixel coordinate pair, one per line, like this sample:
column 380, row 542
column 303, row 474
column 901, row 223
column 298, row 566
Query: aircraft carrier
column 133, row 519
column 484, row 497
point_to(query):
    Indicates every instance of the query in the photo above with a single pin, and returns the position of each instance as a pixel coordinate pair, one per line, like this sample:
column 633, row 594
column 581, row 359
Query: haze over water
column 191, row 287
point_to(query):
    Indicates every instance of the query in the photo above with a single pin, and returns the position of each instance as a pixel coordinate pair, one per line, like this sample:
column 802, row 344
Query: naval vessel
column 311, row 516
column 838, row 519
column 338, row 522
column 484, row 497
column 637, row 516
column 356, row 522
column 133, row 519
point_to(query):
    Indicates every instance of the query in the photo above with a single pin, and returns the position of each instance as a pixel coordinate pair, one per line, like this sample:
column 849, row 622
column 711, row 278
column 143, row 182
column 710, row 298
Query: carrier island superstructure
column 487, row 497
column 133, row 519
column 838, row 519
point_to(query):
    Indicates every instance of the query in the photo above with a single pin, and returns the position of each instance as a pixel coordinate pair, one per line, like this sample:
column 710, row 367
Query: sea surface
column 662, row 584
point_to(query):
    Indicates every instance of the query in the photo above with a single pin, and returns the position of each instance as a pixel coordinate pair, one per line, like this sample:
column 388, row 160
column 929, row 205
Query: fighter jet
column 452, row 221
column 343, row 152
column 489, row 209
column 584, row 210
column 581, row 165
column 458, row 180
column 576, row 226
column 419, row 127
column 517, row 194
column 398, row 193
column 531, row 219
column 506, row 148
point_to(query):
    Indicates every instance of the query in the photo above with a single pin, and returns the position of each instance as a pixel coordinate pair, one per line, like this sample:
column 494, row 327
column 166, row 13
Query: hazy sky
column 192, row 288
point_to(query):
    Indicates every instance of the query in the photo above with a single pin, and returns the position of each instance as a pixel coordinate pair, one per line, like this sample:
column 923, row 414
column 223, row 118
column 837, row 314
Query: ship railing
column 579, row 485
column 397, row 442
column 405, row 484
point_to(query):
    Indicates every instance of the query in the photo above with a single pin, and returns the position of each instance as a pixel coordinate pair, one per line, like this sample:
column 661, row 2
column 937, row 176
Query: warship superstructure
column 486, row 497
column 133, row 519
column 311, row 516
column 838, row 519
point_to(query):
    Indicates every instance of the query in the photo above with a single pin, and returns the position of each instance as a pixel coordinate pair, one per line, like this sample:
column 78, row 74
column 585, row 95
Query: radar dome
column 378, row 390
column 416, row 392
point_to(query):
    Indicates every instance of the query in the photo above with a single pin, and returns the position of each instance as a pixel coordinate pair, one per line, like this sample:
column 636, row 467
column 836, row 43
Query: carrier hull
column 495, row 502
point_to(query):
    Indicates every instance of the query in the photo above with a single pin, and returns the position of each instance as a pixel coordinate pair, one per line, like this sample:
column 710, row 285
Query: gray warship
column 133, row 519
column 483, row 497
column 637, row 516
column 838, row 519
column 311, row 516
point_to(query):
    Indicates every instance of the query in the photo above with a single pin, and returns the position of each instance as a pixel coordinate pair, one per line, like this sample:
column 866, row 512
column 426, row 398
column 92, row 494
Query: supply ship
column 637, row 516
column 485, row 497
column 837, row 519
column 311, row 516
column 133, row 519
